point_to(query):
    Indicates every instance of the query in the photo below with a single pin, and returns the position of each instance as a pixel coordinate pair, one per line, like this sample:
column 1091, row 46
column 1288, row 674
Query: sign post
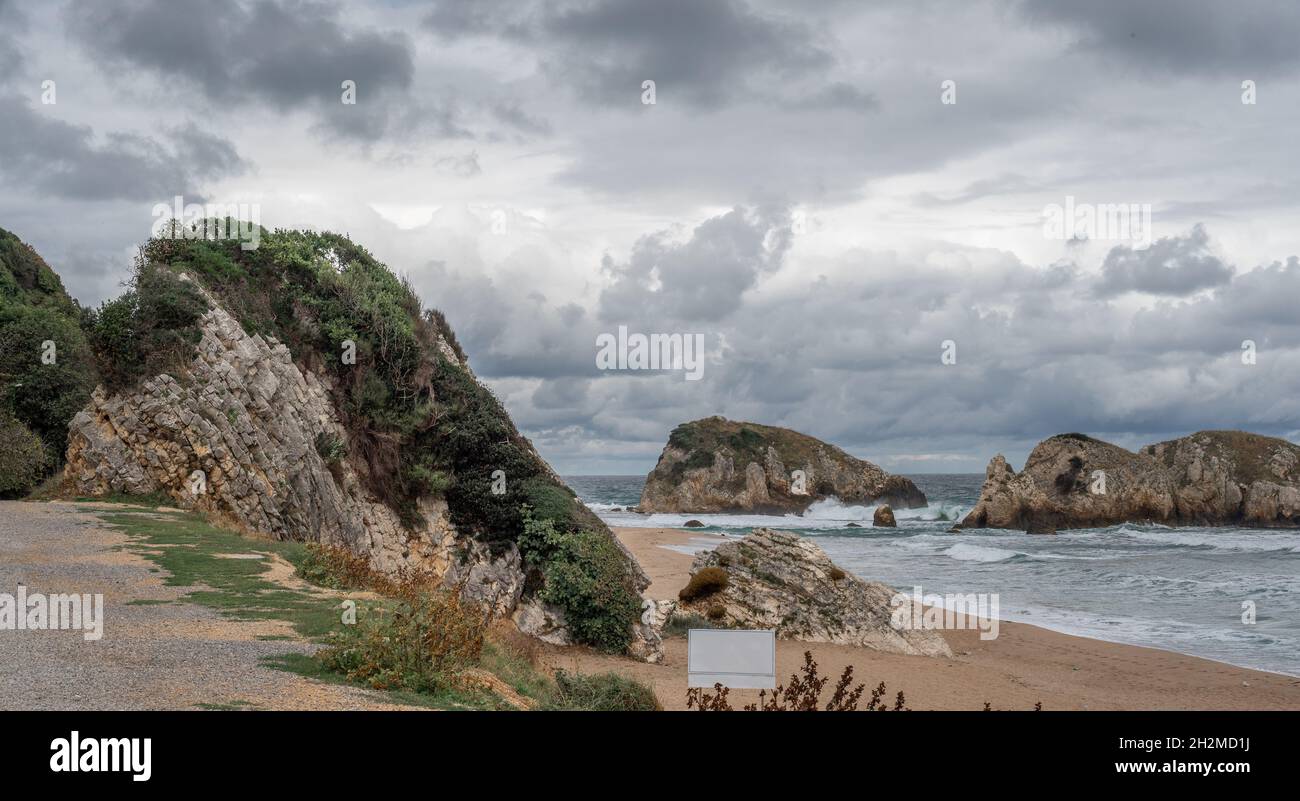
column 742, row 659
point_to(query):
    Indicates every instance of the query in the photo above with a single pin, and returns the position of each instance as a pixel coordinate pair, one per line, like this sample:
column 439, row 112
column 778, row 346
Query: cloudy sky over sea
column 799, row 193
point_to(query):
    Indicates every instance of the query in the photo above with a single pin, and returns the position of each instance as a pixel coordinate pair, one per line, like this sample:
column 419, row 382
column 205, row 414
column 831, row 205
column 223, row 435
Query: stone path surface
column 156, row 652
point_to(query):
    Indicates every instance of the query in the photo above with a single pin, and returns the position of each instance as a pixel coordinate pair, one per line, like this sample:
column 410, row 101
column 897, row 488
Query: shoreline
column 1024, row 665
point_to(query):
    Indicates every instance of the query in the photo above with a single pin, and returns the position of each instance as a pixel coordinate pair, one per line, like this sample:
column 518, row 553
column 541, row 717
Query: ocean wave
column 1230, row 540
column 822, row 516
column 967, row 552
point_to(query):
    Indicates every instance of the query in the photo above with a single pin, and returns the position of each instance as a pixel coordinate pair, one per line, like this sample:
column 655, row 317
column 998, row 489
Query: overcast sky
column 799, row 193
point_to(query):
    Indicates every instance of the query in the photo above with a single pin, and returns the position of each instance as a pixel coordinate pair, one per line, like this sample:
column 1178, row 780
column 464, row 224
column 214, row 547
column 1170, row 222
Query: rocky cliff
column 397, row 454
column 778, row 580
column 720, row 465
column 1209, row 478
column 234, row 434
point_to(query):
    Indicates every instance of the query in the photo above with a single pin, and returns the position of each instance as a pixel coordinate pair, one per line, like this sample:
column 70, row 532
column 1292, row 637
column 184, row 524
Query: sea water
column 1181, row 589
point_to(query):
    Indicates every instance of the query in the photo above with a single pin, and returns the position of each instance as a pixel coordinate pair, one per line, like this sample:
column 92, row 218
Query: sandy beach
column 1023, row 666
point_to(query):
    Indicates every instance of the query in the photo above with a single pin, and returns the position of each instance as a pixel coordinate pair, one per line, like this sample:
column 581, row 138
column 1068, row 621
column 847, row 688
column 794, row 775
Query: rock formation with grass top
column 1210, row 478
column 720, row 465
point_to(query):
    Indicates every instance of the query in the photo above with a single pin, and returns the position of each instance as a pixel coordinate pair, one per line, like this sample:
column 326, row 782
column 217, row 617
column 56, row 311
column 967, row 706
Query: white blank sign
column 736, row 658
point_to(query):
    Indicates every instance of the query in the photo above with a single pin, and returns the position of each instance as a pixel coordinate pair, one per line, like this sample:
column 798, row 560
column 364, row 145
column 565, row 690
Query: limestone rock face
column 236, row 435
column 1207, row 478
column 719, row 465
column 884, row 517
column 778, row 580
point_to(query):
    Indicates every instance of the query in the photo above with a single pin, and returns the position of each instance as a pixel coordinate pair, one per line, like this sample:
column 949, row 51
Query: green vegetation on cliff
column 744, row 442
column 419, row 423
column 45, row 372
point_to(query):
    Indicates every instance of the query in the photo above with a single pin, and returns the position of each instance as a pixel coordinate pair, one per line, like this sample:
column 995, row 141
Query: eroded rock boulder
column 778, row 580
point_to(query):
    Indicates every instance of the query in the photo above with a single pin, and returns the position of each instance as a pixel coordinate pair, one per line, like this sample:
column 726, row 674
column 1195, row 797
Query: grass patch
column 601, row 692
column 150, row 500
column 423, row 643
column 453, row 699
column 680, row 625
column 192, row 551
column 229, row 706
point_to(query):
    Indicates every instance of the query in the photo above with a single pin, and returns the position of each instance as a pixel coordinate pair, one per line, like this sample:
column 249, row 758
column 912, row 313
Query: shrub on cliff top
column 588, row 577
column 152, row 328
column 22, row 457
column 46, row 373
column 704, row 582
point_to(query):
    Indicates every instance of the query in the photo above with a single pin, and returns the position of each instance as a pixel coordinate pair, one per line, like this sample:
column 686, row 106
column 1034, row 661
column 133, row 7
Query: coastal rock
column 251, row 438
column 543, row 621
column 778, row 580
column 884, row 516
column 720, row 465
column 1209, row 478
column 693, row 524
column 235, row 436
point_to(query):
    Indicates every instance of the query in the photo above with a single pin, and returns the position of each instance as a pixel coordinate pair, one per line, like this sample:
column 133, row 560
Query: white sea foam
column 966, row 552
column 1245, row 540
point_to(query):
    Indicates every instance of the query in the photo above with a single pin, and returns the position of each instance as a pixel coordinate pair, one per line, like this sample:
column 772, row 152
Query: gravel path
column 170, row 655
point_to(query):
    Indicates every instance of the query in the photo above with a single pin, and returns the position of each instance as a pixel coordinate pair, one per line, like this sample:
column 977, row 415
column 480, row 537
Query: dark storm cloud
column 1258, row 305
column 513, row 115
column 699, row 51
column 702, row 278
column 452, row 19
column 69, row 161
column 12, row 23
column 854, row 356
column 287, row 54
column 704, row 54
column 528, row 335
column 1182, row 35
column 1178, row 265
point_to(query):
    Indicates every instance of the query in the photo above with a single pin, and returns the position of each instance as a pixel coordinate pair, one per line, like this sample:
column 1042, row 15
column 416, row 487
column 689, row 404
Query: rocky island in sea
column 1210, row 478
column 721, row 465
